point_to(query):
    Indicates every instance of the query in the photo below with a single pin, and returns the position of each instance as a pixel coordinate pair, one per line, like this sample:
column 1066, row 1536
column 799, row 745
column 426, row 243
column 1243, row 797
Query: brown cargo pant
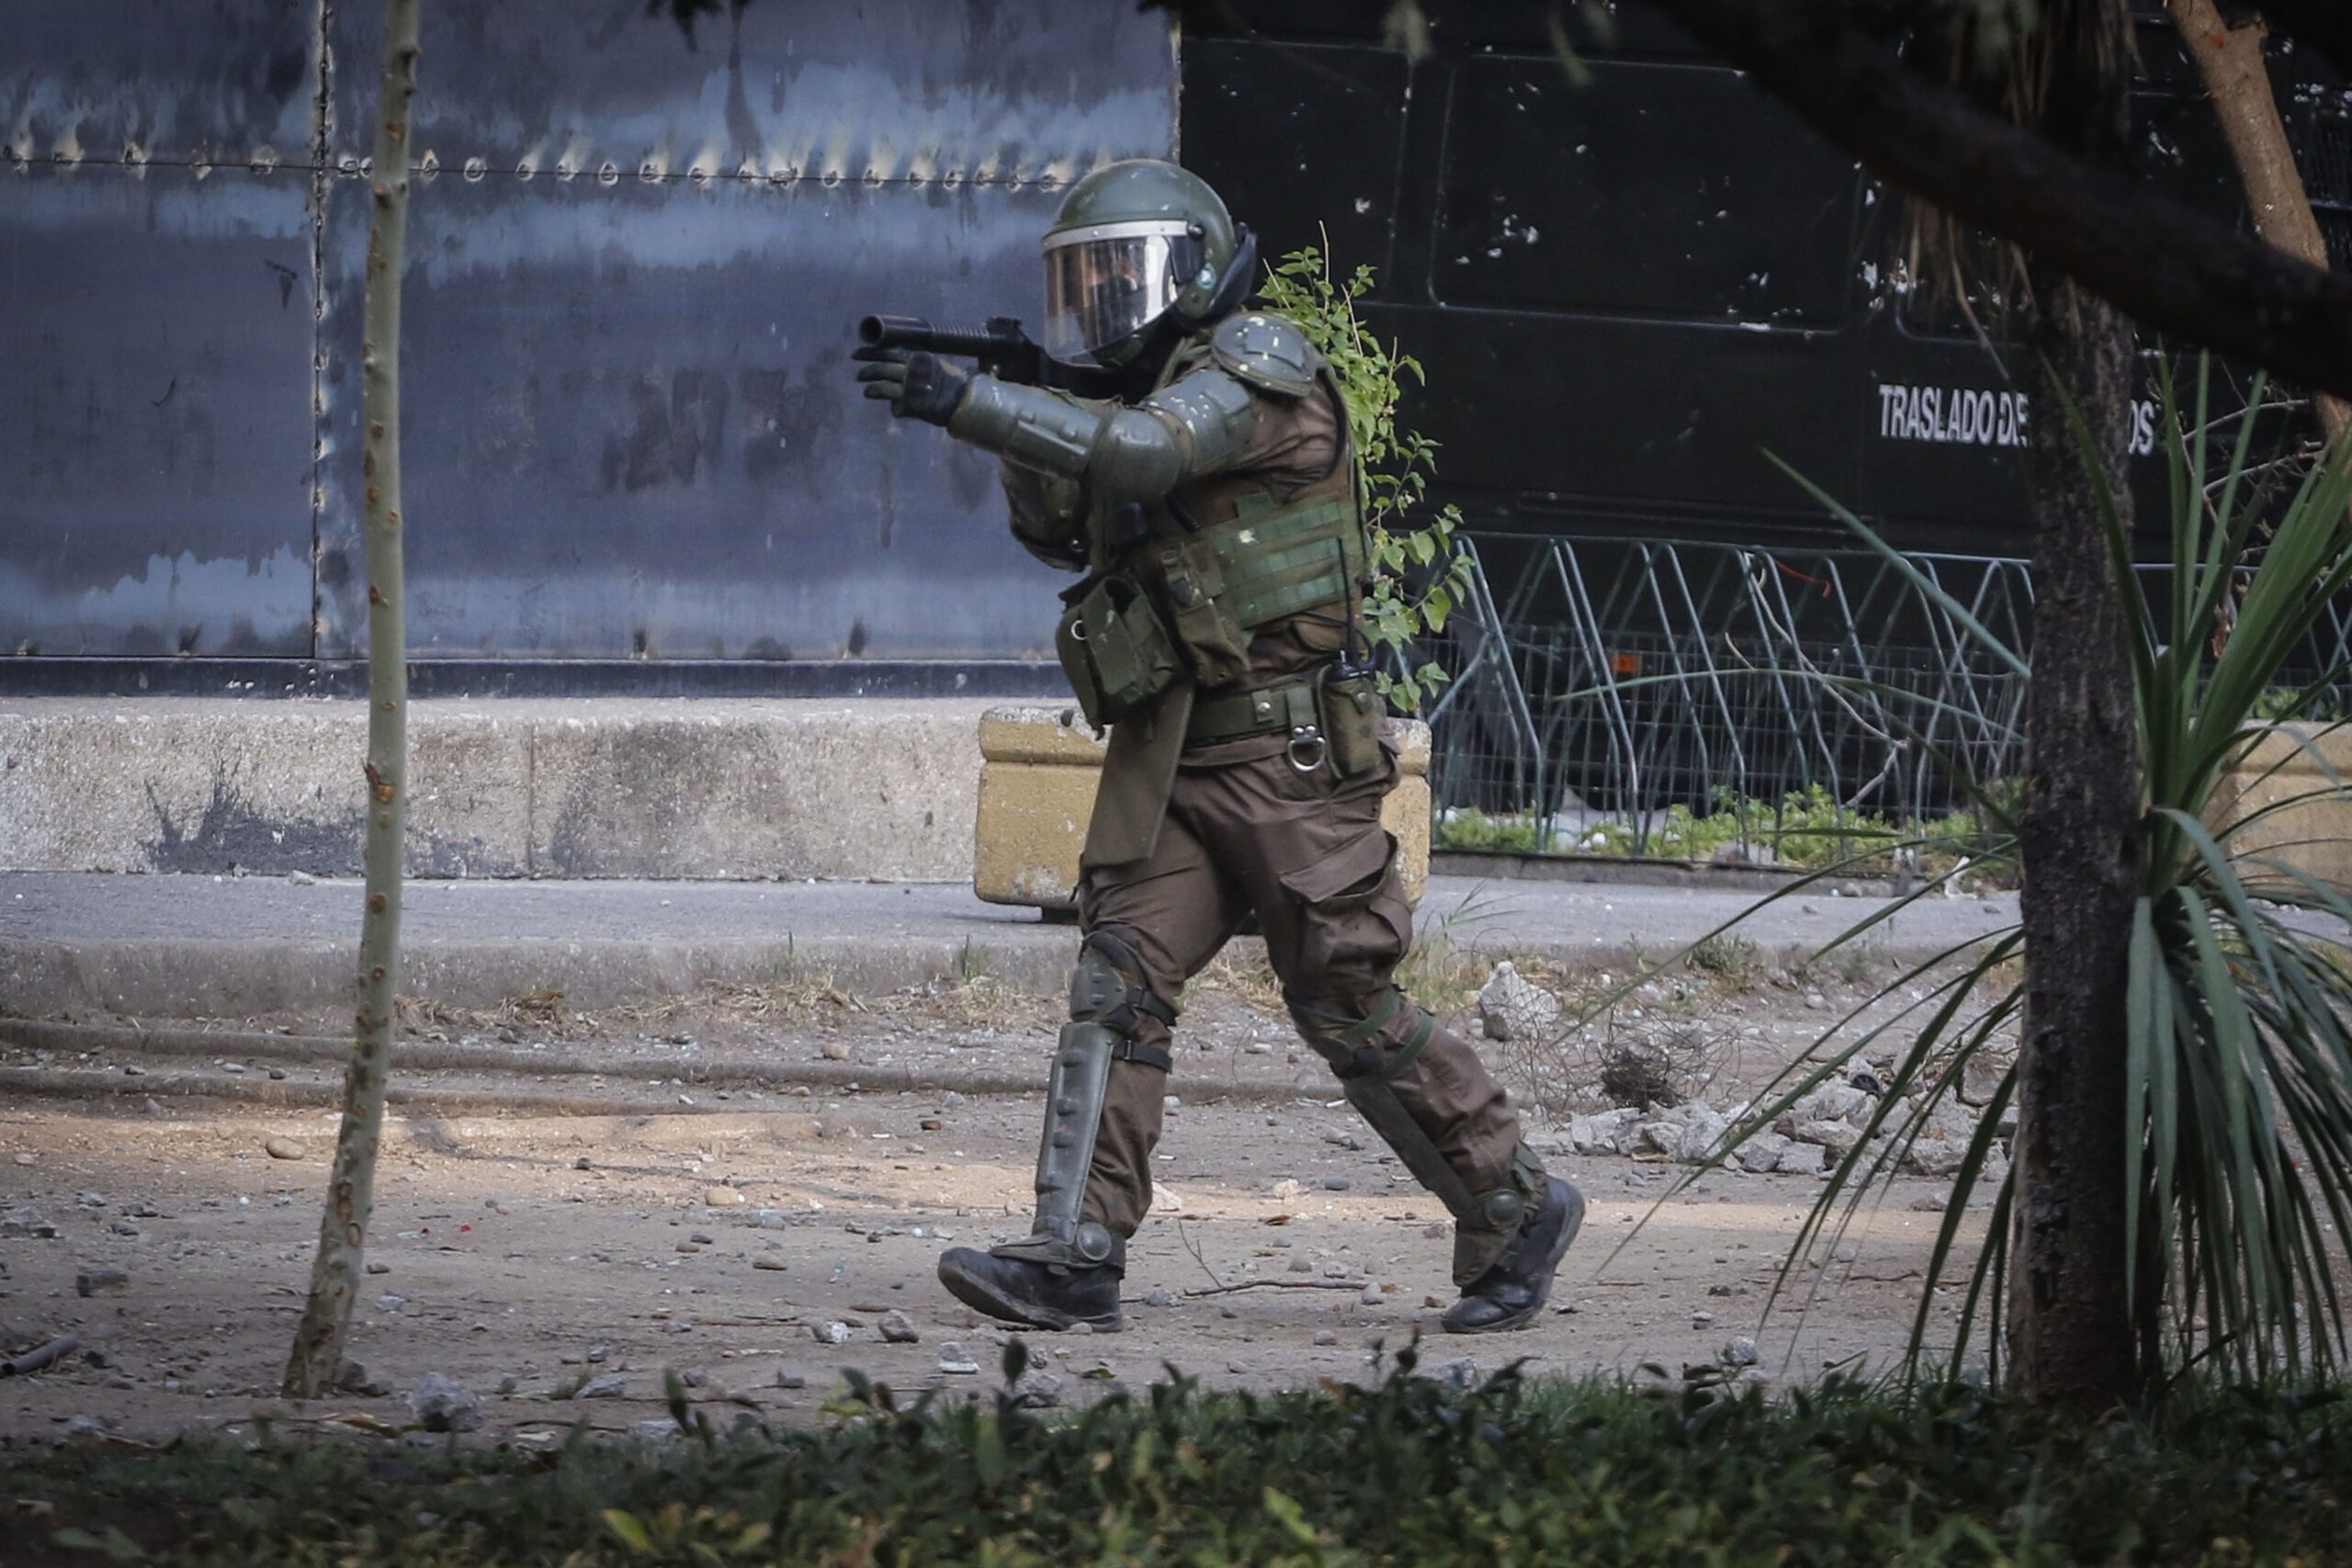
column 1305, row 853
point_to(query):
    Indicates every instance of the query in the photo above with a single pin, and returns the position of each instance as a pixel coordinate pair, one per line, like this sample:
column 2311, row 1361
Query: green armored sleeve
column 1201, row 425
column 1048, row 515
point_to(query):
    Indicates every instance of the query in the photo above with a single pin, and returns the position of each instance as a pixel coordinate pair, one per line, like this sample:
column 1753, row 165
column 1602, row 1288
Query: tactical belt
column 1281, row 707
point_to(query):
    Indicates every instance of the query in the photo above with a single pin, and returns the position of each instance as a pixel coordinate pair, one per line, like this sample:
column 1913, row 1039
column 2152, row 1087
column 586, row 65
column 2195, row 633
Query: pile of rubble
column 1807, row 1138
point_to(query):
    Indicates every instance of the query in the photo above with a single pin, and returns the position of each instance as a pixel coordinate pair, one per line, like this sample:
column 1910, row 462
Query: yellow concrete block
column 2313, row 834
column 1038, row 770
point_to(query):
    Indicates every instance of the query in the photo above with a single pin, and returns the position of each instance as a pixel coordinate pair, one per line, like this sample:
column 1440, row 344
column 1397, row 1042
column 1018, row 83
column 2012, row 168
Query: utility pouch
column 1351, row 705
column 1193, row 584
column 1114, row 649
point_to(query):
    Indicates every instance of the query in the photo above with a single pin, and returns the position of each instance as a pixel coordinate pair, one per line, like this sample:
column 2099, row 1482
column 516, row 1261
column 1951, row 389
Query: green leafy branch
column 1416, row 579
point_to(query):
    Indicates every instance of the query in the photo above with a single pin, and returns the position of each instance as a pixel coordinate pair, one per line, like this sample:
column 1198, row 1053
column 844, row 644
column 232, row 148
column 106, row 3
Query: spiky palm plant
column 2238, row 1141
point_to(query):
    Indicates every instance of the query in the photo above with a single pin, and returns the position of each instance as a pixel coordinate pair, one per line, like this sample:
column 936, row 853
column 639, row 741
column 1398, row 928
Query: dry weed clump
column 1650, row 1039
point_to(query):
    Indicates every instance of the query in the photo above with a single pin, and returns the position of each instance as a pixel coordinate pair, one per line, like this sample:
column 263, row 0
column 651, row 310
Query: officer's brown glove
column 918, row 384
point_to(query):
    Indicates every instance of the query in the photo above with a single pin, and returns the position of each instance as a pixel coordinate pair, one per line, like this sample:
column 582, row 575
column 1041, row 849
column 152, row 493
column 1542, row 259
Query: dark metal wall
column 634, row 258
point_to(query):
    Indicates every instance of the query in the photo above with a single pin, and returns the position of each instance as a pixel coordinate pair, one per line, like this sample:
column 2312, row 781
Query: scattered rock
column 28, row 1222
column 834, row 1050
column 597, row 1354
column 124, row 1227
column 1513, row 1008
column 770, row 1262
column 1286, row 1189
column 956, row 1361
column 658, row 1430
column 1157, row 1299
column 1934, row 1156
column 377, row 1268
column 606, row 1386
column 1372, row 1296
column 1815, row 1000
column 1739, row 1352
column 1038, row 1387
column 702, row 1238
column 1608, row 1134
column 1830, row 1102
column 1702, row 1320
column 787, row 1378
column 1980, row 1078
column 1327, row 1337
column 1762, row 1153
column 1461, row 1375
column 1434, row 1301
column 1687, row 1133
column 1336, row 1184
column 1803, row 1159
column 284, row 1148
column 86, row 1428
column 91, row 1199
column 584, row 1163
column 443, row 1404
column 353, row 1378
column 101, row 1282
column 899, row 1328
column 830, row 1333
column 1837, row 1138
column 509, row 1383
column 390, row 1304
column 721, row 1198
column 278, row 1075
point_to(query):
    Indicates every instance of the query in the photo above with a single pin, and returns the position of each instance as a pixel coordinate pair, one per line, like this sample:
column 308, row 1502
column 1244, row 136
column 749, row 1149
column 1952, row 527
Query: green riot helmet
column 1135, row 243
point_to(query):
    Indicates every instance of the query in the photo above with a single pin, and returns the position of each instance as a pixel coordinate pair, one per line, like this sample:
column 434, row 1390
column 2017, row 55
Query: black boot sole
column 982, row 1295
column 1570, row 1224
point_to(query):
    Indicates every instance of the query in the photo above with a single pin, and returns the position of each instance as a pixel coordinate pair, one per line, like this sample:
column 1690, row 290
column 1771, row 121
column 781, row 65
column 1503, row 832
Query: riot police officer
column 1210, row 499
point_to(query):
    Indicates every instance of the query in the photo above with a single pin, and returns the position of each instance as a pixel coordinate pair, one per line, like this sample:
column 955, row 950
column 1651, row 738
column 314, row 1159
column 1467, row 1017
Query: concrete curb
column 201, row 979
column 410, row 1056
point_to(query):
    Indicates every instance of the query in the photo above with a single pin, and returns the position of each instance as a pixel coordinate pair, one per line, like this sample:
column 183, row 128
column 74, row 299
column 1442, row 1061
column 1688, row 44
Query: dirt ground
column 706, row 1214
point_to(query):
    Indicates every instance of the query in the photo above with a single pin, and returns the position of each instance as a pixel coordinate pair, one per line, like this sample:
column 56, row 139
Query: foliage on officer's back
column 1417, row 579
column 1404, row 1469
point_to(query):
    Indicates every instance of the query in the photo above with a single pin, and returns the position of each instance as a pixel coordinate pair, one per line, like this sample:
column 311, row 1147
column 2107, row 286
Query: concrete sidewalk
column 215, row 947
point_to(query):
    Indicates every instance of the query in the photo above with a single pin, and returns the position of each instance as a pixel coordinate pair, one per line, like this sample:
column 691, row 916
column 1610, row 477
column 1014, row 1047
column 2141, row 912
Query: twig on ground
column 1280, row 1285
column 1195, row 1248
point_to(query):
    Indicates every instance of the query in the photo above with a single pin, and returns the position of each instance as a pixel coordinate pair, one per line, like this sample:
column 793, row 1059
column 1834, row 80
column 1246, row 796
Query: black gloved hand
column 917, row 383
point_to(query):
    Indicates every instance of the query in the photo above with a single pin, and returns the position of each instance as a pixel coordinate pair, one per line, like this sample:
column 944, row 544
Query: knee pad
column 1107, row 989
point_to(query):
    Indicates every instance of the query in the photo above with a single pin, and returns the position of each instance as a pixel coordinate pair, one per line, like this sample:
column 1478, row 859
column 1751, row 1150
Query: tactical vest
column 1191, row 580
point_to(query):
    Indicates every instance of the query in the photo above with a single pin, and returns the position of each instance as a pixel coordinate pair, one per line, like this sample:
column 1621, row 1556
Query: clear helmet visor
column 1106, row 284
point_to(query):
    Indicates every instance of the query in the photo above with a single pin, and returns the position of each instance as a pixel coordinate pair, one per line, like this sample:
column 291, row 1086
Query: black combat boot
column 1513, row 1289
column 1026, row 1290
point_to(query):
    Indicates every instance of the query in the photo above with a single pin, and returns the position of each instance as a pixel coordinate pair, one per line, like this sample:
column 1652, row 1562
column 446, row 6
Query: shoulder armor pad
column 1267, row 352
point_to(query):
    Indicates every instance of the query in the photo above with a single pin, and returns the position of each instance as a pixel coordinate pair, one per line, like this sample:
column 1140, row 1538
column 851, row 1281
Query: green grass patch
column 1806, row 828
column 1408, row 1471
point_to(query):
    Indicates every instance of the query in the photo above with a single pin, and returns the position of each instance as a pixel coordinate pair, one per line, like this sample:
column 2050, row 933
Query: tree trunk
column 2229, row 62
column 351, row 1194
column 2070, row 1331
